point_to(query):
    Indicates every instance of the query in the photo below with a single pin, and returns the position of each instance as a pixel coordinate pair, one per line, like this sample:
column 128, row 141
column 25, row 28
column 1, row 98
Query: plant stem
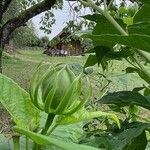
column 51, row 129
column 16, row 142
column 27, row 143
column 48, row 123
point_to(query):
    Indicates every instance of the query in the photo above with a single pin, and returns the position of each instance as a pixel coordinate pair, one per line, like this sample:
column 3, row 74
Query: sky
column 61, row 16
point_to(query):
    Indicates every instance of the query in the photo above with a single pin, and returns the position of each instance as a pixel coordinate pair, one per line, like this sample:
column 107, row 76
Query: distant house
column 65, row 43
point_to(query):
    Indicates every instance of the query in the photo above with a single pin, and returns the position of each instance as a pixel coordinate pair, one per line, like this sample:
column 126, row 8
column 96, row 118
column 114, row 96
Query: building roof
column 64, row 37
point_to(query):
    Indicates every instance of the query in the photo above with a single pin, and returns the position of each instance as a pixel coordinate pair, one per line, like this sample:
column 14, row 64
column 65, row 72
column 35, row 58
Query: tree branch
column 24, row 16
column 4, row 4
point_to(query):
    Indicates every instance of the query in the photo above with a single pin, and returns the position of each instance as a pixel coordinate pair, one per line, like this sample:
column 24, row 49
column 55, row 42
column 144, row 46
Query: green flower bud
column 59, row 91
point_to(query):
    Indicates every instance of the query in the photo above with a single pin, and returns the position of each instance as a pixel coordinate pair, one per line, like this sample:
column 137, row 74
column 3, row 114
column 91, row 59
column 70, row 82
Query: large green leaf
column 69, row 133
column 132, row 137
column 143, row 14
column 141, row 21
column 45, row 140
column 134, row 40
column 18, row 104
column 140, row 28
column 103, row 26
column 84, row 115
column 145, row 1
column 126, row 98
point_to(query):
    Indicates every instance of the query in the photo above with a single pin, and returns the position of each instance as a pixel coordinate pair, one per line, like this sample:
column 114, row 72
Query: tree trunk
column 1, row 52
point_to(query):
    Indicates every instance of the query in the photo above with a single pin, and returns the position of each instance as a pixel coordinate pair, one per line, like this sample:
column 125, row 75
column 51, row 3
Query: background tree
column 28, row 10
column 44, row 41
column 25, row 36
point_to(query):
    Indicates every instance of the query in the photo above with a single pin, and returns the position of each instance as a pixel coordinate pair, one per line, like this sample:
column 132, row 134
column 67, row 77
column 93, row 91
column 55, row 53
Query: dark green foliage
column 103, row 26
column 91, row 61
column 130, row 137
column 25, row 36
column 126, row 98
column 138, row 41
column 142, row 15
column 111, row 43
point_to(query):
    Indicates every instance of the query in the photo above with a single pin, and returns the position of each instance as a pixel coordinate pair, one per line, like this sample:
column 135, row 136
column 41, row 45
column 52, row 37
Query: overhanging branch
column 6, row 5
column 24, row 16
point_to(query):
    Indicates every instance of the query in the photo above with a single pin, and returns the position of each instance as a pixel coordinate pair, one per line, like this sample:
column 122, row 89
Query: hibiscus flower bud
column 59, row 90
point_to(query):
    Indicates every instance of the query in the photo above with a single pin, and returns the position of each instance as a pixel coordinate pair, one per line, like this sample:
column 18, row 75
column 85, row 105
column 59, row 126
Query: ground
column 21, row 65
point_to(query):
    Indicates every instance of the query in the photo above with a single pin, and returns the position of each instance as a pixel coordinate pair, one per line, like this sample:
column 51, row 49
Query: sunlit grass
column 21, row 66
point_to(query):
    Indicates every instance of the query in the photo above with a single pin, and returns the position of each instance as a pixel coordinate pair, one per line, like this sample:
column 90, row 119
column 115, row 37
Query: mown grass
column 37, row 55
column 21, row 66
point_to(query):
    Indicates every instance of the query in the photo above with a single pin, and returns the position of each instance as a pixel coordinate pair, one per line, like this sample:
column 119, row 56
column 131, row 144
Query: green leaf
column 143, row 14
column 103, row 26
column 17, row 102
column 124, row 52
column 140, row 28
column 141, row 21
column 84, row 115
column 126, row 98
column 101, row 52
column 45, row 140
column 69, row 133
column 137, row 89
column 132, row 137
column 134, row 40
column 94, row 17
column 147, row 92
column 91, row 61
column 145, row 1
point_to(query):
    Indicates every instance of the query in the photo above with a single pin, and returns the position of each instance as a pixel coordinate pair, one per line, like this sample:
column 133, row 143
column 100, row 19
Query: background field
column 21, row 65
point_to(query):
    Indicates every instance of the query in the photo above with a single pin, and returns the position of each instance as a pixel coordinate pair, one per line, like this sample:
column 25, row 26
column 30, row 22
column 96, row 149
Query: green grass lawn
column 21, row 66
